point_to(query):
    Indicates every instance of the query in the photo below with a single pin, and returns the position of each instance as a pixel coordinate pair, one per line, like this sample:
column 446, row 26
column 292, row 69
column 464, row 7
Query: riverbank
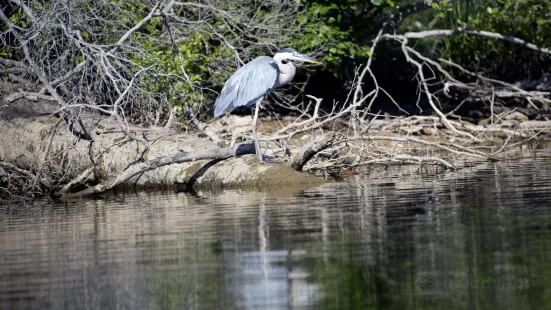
column 44, row 154
column 38, row 145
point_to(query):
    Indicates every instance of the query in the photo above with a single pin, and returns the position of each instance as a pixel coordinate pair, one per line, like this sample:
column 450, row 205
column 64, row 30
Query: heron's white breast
column 286, row 73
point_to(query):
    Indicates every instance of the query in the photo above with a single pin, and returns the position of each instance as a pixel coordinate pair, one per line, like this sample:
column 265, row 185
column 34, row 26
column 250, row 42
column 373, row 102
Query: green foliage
column 7, row 52
column 526, row 19
column 321, row 27
column 337, row 27
column 177, row 74
column 200, row 55
column 17, row 18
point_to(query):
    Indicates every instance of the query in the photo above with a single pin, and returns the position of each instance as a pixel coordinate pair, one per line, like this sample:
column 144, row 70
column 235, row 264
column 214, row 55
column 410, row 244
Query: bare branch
column 201, row 126
column 460, row 30
column 27, row 95
column 44, row 181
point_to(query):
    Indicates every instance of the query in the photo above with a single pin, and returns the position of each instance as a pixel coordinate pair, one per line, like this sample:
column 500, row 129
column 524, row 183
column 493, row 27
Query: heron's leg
column 255, row 134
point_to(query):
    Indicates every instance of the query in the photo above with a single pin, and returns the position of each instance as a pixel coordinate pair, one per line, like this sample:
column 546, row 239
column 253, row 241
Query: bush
column 529, row 20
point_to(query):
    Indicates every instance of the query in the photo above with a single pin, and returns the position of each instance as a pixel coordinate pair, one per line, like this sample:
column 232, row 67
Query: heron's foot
column 261, row 158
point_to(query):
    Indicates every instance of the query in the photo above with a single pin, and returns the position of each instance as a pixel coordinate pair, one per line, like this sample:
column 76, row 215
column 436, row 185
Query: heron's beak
column 310, row 60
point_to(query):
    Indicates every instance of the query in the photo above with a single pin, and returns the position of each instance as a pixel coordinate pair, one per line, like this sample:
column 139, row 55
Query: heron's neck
column 286, row 71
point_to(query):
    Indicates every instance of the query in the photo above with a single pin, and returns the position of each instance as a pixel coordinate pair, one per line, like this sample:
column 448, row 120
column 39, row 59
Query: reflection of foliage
column 170, row 293
column 418, row 270
column 184, row 283
column 349, row 286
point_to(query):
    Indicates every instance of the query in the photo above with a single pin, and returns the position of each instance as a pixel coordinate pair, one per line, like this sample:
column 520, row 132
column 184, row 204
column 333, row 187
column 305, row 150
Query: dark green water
column 479, row 238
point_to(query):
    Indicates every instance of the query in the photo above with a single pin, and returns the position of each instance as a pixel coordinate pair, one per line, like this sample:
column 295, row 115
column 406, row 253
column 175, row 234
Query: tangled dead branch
column 339, row 138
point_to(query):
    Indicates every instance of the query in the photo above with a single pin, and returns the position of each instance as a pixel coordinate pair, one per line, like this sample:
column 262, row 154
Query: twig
column 201, row 126
column 11, row 63
column 37, row 70
column 428, row 94
column 44, row 181
column 119, row 43
column 422, row 159
column 460, row 30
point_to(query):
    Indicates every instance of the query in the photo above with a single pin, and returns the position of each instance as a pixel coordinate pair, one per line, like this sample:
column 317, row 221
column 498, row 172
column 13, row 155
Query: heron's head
column 288, row 54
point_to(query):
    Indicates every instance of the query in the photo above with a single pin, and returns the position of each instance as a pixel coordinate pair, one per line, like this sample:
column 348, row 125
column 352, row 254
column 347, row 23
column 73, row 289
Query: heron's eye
column 284, row 61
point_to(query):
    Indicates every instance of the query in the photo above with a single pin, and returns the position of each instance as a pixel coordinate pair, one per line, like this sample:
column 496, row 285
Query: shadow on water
column 474, row 239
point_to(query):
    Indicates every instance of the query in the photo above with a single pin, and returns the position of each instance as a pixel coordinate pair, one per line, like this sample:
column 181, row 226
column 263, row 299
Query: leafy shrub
column 529, row 20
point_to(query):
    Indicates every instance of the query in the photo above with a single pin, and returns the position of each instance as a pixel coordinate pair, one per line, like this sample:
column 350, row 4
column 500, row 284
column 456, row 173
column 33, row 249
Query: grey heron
column 251, row 83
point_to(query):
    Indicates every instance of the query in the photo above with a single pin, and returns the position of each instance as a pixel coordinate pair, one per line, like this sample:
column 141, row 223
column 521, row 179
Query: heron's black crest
column 286, row 50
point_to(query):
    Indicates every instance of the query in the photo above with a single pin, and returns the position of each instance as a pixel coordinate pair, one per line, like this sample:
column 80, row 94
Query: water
column 479, row 238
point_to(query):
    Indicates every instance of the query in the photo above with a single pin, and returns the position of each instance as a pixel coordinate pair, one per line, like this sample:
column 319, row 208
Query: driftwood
column 306, row 153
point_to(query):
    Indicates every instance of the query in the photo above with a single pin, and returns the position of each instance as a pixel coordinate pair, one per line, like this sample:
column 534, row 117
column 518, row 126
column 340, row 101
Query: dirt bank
column 56, row 153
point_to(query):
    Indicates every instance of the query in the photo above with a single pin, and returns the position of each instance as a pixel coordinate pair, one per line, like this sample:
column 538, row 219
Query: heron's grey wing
column 247, row 85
